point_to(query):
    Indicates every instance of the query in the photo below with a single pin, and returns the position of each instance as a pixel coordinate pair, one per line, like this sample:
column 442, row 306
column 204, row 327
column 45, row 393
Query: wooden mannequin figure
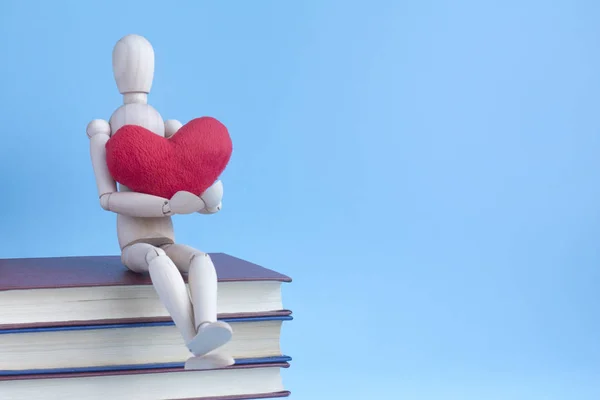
column 144, row 226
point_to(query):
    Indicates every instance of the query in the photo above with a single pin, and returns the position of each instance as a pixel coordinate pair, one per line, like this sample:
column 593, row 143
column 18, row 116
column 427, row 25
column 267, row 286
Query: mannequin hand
column 212, row 210
column 98, row 127
column 184, row 202
column 213, row 195
column 212, row 199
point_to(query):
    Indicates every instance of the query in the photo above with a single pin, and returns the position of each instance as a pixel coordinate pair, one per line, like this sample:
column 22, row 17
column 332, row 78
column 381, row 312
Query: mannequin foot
column 210, row 336
column 209, row 361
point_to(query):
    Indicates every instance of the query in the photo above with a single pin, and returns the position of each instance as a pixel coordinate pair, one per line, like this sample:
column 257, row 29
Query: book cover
column 90, row 271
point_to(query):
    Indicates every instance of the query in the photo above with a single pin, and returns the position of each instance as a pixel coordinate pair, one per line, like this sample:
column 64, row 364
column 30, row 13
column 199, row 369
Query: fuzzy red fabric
column 191, row 160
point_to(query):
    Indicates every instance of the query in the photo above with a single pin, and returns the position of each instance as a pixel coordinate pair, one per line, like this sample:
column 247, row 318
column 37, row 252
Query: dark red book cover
column 68, row 272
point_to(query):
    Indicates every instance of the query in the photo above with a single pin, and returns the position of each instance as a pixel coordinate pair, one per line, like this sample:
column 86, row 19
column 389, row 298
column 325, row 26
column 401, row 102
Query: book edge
column 138, row 371
column 270, row 395
column 141, row 320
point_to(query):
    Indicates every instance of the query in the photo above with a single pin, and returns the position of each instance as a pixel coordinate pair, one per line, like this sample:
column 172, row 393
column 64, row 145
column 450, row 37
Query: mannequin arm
column 135, row 204
column 131, row 204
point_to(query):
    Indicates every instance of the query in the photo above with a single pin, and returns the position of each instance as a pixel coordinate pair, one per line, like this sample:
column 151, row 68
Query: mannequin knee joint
column 153, row 253
column 197, row 255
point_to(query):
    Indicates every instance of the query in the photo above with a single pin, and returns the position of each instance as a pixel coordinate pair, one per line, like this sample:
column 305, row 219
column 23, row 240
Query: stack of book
column 87, row 328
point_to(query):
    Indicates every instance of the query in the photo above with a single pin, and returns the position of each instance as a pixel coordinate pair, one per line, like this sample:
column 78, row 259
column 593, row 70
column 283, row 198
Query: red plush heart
column 191, row 160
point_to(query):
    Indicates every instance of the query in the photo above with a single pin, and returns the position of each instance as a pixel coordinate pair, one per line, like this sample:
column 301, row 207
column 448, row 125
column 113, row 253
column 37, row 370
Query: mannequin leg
column 202, row 279
column 167, row 281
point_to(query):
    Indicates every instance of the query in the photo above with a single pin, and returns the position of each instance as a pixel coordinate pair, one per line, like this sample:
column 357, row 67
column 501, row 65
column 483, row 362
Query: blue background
column 427, row 172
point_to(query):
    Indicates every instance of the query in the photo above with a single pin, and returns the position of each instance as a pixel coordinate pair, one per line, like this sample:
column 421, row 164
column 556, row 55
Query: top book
column 100, row 289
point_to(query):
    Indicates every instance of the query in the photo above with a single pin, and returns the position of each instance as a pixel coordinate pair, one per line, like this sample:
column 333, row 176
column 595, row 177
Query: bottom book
column 254, row 381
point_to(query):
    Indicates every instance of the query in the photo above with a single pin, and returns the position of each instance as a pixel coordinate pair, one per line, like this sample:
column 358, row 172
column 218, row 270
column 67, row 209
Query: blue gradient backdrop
column 427, row 172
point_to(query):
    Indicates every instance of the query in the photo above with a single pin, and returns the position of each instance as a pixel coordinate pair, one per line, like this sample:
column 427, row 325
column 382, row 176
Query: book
column 128, row 346
column 88, row 328
column 62, row 291
column 233, row 383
